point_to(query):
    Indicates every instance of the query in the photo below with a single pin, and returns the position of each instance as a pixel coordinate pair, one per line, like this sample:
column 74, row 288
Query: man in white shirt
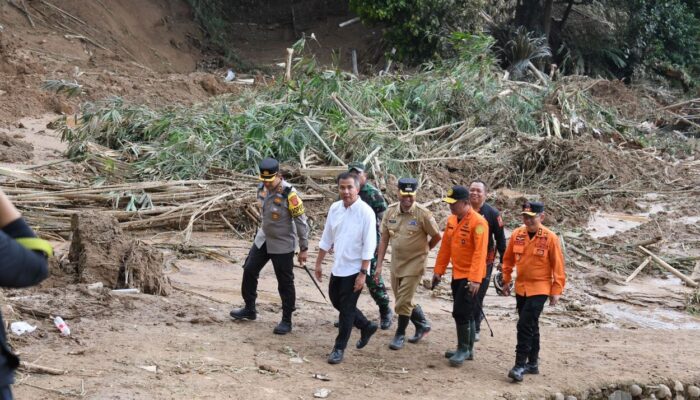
column 351, row 232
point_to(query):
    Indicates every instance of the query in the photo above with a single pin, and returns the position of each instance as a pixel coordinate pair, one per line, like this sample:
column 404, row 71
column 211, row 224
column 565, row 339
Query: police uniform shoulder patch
column 479, row 230
column 296, row 206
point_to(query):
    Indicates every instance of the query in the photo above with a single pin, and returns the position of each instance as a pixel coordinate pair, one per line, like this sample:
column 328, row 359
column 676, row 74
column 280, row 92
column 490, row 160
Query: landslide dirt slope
column 146, row 51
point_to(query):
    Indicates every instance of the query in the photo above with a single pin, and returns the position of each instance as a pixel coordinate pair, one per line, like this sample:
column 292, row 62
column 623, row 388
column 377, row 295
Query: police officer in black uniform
column 283, row 223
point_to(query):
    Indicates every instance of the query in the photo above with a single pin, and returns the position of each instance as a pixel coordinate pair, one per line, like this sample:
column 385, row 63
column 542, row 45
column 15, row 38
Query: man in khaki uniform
column 412, row 231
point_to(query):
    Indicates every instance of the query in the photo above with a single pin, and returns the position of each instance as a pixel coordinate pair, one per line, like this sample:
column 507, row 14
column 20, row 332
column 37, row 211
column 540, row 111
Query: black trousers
column 344, row 299
column 463, row 306
column 529, row 310
column 284, row 270
column 480, row 297
column 5, row 393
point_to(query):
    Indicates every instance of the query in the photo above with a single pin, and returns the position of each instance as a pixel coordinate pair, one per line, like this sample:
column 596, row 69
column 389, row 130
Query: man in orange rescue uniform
column 535, row 251
column 465, row 244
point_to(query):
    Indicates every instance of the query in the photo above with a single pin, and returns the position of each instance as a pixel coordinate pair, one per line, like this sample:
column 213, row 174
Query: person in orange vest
column 465, row 244
column 536, row 253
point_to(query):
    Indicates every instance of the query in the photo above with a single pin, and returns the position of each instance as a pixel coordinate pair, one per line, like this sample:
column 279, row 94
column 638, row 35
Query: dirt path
column 199, row 353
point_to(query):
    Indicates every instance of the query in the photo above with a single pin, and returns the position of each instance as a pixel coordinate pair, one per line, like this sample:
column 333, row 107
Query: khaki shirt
column 283, row 220
column 409, row 234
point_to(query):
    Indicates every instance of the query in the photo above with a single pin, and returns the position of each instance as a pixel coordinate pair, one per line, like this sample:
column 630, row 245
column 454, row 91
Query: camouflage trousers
column 377, row 289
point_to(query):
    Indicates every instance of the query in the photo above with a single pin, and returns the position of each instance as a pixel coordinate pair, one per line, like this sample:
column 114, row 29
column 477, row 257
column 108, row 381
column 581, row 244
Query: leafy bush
column 665, row 33
column 420, row 29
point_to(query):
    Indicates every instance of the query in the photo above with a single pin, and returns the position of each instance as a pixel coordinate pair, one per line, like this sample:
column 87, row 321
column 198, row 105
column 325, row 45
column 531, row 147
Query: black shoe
column 386, row 317
column 397, row 342
column 366, row 334
column 243, row 313
column 532, row 368
column 516, row 374
column 336, row 324
column 336, row 356
column 283, row 328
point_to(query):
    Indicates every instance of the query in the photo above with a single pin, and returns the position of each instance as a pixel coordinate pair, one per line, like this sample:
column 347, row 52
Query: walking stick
column 484, row 315
column 316, row 283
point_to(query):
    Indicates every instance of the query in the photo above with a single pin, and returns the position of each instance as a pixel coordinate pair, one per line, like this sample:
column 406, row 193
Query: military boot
column 247, row 312
column 400, row 336
column 421, row 323
column 516, row 373
column 285, row 326
column 462, row 352
column 385, row 317
column 472, row 339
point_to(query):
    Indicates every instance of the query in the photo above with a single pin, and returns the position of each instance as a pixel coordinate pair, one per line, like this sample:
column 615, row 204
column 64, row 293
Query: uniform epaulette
column 394, row 204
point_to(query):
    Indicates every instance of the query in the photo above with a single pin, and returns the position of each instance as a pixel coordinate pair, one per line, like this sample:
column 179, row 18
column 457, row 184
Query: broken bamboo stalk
column 638, row 270
column 355, row 70
column 332, row 154
column 537, row 73
column 23, row 9
column 672, row 270
column 288, row 66
column 67, row 14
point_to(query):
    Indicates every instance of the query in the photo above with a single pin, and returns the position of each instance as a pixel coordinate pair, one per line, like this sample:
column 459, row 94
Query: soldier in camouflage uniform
column 283, row 222
column 373, row 197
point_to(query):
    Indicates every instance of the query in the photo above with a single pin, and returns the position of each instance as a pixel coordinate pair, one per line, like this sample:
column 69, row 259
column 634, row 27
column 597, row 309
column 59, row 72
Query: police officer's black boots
column 421, row 323
column 385, row 316
column 532, row 366
column 247, row 312
column 285, row 326
column 400, row 336
column 516, row 373
column 462, row 352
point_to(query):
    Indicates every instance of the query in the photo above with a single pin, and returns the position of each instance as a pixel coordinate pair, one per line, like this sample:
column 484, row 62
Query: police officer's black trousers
column 284, row 270
column 5, row 393
column 529, row 310
column 480, row 297
column 344, row 299
column 464, row 302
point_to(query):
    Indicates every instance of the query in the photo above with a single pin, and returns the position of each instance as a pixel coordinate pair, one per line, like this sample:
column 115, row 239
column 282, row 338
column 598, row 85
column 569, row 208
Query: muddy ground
column 184, row 346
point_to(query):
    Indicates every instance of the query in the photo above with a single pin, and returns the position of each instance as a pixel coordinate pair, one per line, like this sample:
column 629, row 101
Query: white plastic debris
column 322, row 393
column 21, row 327
column 230, row 75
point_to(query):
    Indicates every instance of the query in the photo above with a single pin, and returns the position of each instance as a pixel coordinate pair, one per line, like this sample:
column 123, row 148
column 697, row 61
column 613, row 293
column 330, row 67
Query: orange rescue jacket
column 465, row 243
column 539, row 261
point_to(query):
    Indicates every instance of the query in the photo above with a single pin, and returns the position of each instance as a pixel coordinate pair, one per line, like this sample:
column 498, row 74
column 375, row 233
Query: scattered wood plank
column 40, row 369
column 672, row 270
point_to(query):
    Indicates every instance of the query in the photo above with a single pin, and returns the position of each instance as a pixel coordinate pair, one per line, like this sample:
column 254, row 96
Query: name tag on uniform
column 413, row 222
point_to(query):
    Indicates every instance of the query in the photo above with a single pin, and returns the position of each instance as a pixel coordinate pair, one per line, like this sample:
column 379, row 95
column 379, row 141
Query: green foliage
column 524, row 48
column 70, row 89
column 352, row 116
column 665, row 32
column 420, row 29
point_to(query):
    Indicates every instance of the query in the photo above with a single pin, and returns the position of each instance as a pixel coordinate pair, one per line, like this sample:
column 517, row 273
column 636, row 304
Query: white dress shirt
column 352, row 233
